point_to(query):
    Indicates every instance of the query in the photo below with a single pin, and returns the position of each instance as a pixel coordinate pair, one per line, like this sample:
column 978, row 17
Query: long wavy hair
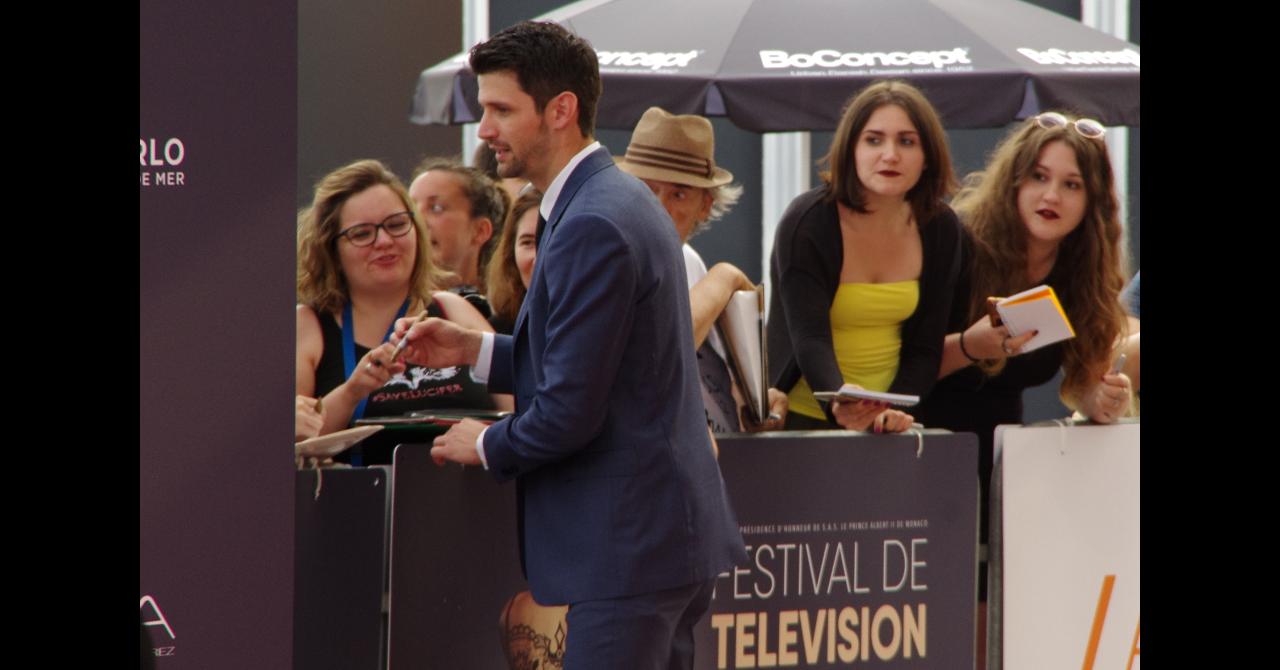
column 321, row 283
column 506, row 290
column 1094, row 252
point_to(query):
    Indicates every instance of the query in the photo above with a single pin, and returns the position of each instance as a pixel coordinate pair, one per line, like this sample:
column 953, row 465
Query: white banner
column 1070, row 546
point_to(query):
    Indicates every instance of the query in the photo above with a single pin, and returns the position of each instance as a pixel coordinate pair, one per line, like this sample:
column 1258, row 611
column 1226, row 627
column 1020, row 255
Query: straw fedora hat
column 675, row 148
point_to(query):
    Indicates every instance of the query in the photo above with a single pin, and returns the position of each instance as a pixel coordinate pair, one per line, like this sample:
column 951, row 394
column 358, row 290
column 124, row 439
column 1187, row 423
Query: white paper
column 742, row 323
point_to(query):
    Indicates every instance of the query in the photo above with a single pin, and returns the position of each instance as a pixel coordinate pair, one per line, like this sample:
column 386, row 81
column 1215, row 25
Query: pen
column 1119, row 364
column 395, row 355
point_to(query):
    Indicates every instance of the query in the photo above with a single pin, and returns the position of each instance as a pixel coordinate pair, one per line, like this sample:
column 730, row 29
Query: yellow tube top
column 866, row 333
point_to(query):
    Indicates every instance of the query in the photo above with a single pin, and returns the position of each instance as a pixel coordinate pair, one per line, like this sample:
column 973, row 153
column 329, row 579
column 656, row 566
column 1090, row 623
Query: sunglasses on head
column 1086, row 127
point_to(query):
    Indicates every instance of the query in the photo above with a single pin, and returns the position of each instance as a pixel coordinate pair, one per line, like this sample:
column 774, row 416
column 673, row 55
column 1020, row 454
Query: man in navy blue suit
column 624, row 515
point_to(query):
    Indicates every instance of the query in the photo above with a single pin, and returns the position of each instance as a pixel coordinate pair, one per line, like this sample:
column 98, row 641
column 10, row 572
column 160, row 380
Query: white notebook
column 1036, row 309
column 328, row 446
column 853, row 393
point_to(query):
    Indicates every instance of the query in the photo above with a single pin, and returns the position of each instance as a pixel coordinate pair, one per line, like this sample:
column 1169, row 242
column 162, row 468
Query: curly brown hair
column 1095, row 251
column 321, row 284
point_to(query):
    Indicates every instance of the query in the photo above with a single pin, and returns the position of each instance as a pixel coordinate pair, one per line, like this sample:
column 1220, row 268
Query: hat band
column 668, row 159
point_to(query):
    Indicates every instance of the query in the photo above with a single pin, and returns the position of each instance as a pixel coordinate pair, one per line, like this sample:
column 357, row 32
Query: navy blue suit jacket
column 620, row 492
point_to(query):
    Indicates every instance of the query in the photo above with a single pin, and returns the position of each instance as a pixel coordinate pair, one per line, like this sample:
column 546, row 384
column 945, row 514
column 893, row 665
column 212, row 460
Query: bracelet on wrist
column 965, row 351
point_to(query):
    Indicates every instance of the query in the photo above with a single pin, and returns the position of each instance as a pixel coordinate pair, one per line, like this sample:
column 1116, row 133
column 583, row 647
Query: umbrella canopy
column 784, row 65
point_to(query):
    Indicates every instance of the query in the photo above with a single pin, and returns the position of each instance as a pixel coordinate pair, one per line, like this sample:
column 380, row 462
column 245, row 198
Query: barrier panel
column 863, row 550
column 340, row 572
column 1065, row 556
column 454, row 563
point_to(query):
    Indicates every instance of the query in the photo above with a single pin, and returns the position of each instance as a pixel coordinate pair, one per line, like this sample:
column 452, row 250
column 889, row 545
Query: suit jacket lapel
column 593, row 163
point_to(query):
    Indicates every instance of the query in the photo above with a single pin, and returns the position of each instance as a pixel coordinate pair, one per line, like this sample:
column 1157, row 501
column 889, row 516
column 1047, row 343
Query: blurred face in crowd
column 687, row 205
column 456, row 238
column 526, row 240
column 888, row 155
column 387, row 263
column 1052, row 199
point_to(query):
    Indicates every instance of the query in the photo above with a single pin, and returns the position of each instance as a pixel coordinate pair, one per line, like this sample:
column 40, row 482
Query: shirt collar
column 553, row 191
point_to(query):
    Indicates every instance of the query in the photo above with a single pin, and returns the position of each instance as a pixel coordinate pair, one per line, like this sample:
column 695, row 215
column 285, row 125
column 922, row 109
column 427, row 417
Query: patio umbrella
column 784, row 65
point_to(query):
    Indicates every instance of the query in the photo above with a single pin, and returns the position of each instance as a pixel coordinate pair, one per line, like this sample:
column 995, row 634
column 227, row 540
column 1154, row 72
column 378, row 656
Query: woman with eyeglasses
column 364, row 261
column 863, row 265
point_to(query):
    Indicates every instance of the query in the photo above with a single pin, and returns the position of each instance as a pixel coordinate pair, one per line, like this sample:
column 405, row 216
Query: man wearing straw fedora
column 623, row 513
column 675, row 157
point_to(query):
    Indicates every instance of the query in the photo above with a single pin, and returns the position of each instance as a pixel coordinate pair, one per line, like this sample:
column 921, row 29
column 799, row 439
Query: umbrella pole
column 475, row 29
column 1112, row 17
column 784, row 174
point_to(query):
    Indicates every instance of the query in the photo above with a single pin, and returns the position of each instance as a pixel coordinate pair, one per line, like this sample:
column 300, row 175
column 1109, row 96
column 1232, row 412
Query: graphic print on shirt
column 419, row 375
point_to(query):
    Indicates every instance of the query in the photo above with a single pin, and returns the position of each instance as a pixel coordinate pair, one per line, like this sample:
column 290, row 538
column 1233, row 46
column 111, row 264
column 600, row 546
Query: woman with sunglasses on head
column 1044, row 211
column 862, row 266
column 364, row 261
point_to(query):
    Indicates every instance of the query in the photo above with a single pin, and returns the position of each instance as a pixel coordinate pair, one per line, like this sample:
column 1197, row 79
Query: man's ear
column 562, row 111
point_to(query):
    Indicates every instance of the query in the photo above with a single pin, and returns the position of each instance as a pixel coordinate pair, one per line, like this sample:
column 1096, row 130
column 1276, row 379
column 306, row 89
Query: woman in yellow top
column 863, row 265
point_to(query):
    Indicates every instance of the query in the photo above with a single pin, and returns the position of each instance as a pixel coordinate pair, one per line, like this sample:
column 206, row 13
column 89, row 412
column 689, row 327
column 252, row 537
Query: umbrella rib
column 733, row 37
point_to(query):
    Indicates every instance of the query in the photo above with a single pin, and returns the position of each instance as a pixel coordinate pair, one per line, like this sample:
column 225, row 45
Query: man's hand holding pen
column 436, row 343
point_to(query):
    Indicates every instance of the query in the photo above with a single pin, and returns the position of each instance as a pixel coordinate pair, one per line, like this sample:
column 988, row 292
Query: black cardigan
column 804, row 270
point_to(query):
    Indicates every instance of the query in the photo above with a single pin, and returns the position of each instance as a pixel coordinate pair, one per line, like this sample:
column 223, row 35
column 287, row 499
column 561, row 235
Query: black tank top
column 414, row 389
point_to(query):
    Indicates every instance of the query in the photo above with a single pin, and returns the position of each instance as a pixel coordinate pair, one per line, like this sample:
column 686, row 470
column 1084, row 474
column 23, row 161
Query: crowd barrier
column 862, row 550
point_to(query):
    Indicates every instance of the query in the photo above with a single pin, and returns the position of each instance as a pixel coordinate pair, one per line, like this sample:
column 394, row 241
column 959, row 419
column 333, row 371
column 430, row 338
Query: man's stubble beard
column 518, row 167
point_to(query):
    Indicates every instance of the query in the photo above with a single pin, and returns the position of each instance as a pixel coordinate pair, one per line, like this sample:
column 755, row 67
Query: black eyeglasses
column 1086, row 127
column 364, row 234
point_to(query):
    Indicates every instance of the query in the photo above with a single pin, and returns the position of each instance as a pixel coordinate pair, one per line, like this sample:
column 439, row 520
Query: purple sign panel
column 217, row 161
column 861, row 551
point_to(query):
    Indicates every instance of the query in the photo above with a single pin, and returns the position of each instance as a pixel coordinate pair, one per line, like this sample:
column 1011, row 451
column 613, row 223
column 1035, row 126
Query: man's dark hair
column 547, row 60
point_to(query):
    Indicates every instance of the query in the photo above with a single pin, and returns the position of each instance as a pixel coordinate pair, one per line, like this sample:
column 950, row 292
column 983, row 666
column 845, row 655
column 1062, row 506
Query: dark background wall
column 358, row 63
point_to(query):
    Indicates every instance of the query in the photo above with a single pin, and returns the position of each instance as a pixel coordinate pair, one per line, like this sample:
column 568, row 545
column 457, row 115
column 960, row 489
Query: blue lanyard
column 349, row 347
